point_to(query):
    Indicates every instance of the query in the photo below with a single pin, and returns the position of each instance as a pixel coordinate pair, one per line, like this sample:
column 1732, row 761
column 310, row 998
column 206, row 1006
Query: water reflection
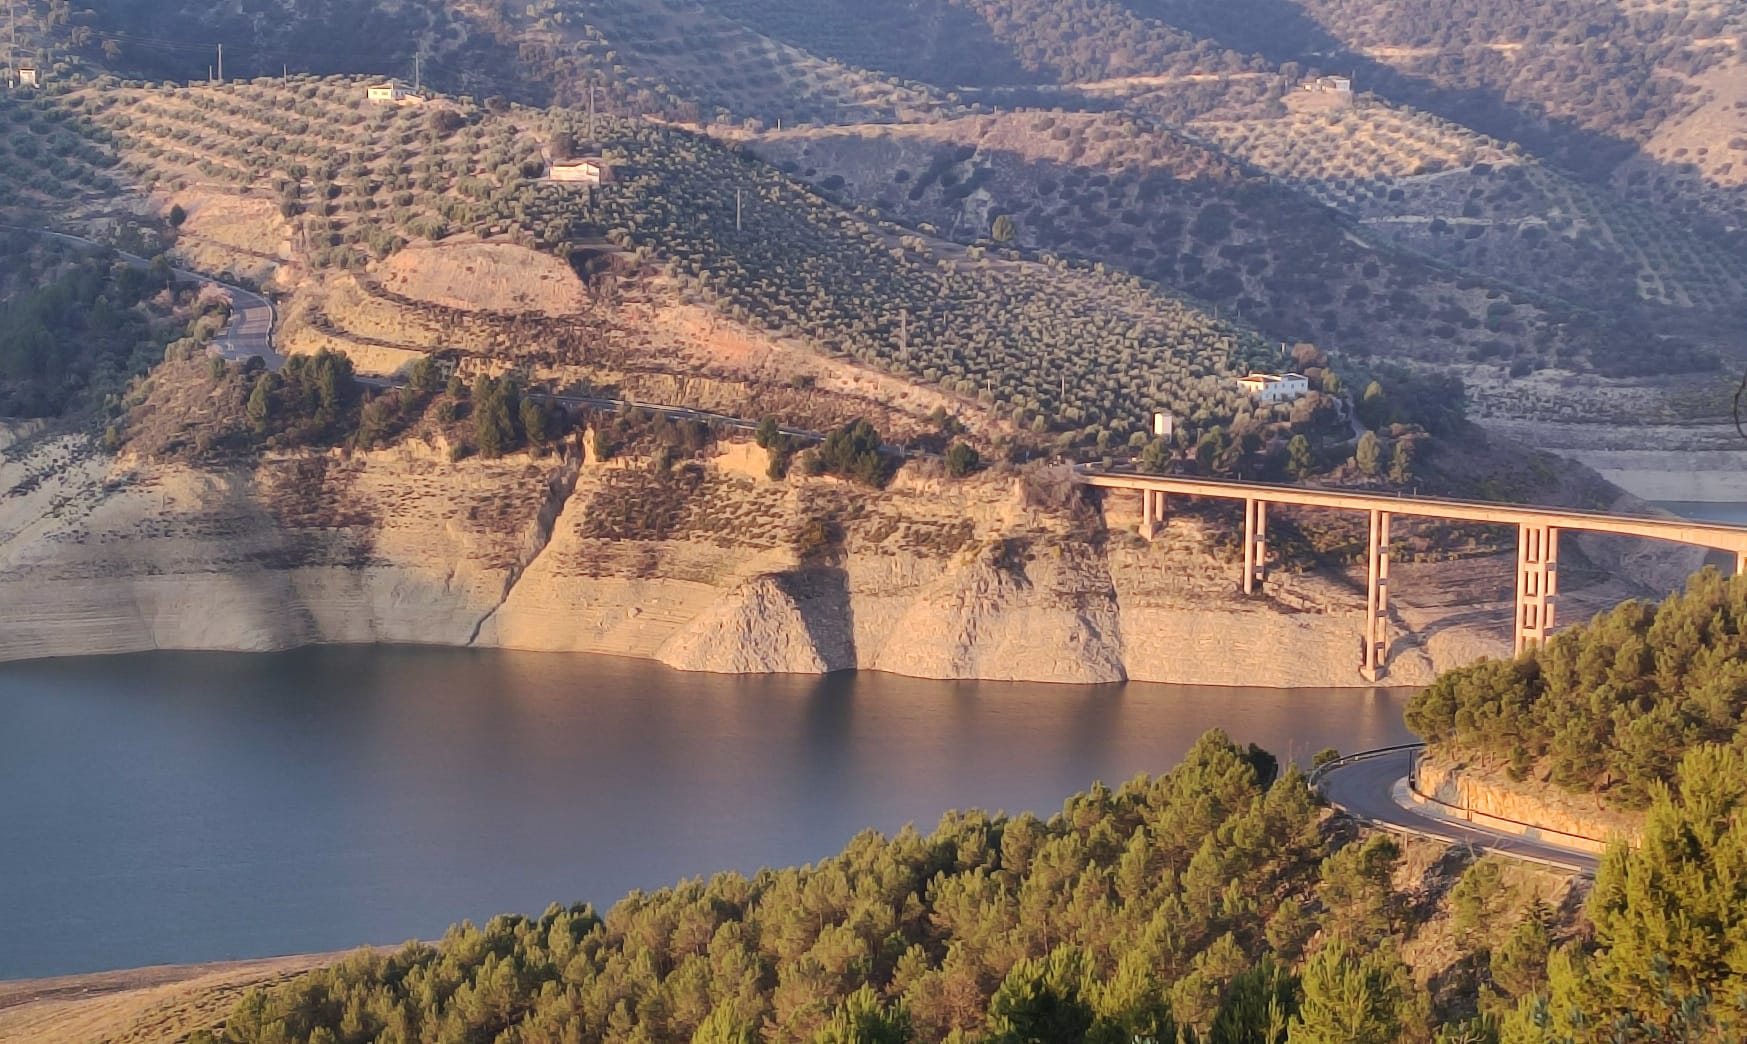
column 175, row 807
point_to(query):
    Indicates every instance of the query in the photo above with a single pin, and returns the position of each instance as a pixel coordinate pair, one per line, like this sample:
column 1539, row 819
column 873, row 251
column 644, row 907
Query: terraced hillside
column 1116, row 188
column 1577, row 202
column 640, row 56
column 343, row 187
column 1480, row 204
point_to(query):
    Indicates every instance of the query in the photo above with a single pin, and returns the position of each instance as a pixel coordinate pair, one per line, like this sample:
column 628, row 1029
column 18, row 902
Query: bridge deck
column 1703, row 534
column 1537, row 540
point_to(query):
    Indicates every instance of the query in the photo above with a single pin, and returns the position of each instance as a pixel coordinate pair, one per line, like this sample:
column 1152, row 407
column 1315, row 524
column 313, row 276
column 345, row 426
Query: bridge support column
column 1255, row 544
column 1537, row 583
column 1741, row 563
column 1152, row 510
column 1376, row 653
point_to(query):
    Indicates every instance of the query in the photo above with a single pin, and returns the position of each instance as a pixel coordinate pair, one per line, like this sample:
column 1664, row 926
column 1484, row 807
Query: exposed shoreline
column 1003, row 577
column 156, row 1003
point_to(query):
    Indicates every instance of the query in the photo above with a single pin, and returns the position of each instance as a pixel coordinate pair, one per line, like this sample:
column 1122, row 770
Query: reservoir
column 175, row 807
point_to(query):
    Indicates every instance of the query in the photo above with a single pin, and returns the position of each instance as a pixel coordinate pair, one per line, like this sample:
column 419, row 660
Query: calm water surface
column 1709, row 511
column 172, row 807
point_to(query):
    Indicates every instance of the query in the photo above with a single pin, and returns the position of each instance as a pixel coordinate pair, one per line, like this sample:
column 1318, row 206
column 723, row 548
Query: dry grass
column 486, row 277
column 158, row 1005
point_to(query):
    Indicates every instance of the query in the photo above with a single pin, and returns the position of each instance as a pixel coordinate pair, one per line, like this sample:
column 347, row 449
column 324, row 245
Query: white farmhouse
column 590, row 170
column 1275, row 387
column 389, row 91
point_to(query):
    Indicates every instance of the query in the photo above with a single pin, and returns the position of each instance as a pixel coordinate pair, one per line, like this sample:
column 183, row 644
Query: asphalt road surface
column 1364, row 788
column 250, row 331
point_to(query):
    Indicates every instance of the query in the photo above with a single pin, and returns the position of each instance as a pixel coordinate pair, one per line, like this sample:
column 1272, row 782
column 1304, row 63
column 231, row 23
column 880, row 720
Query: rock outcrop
column 1487, row 797
column 703, row 567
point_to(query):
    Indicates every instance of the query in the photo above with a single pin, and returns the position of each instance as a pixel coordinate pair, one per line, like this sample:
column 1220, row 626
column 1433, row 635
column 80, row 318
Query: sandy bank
column 155, row 1005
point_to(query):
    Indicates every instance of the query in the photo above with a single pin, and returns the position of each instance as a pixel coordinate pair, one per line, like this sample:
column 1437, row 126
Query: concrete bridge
column 1538, row 529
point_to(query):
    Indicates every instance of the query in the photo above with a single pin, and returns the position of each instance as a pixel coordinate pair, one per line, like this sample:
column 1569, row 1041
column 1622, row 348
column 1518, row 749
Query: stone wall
column 1538, row 812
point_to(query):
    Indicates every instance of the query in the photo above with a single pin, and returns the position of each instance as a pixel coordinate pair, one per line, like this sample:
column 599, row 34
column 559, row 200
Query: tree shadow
column 821, row 593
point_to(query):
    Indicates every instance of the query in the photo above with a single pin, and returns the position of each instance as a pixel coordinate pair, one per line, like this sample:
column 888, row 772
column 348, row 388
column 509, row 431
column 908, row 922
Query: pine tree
column 1369, row 455
column 724, row 1026
column 863, row 1018
column 1042, row 1001
column 962, row 459
column 1670, row 924
column 1354, row 997
column 1401, row 462
column 260, row 406
column 1300, row 460
column 534, row 421
column 1519, row 965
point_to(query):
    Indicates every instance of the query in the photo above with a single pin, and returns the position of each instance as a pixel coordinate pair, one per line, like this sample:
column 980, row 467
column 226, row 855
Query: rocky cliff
column 707, row 566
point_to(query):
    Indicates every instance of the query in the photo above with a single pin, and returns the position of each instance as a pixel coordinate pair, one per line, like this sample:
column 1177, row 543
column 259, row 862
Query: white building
column 1275, row 387
column 590, row 170
column 27, row 75
column 391, row 91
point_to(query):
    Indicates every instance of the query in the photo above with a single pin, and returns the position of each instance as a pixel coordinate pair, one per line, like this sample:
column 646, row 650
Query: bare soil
column 486, row 277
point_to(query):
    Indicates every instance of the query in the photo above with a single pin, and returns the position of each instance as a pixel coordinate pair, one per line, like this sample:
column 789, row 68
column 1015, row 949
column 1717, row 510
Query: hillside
column 1546, row 198
column 1345, row 274
column 326, row 195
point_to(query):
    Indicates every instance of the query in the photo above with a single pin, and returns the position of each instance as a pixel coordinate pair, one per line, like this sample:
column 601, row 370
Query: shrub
column 854, row 451
column 962, row 459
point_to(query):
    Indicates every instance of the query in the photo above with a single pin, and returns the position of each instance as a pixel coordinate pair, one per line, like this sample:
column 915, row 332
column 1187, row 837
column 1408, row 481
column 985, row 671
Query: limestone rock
column 758, row 628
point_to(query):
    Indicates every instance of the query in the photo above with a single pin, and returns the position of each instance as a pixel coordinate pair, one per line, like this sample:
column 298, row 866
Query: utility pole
column 591, row 138
column 904, row 333
column 12, row 43
column 417, row 74
column 221, row 63
column 736, row 210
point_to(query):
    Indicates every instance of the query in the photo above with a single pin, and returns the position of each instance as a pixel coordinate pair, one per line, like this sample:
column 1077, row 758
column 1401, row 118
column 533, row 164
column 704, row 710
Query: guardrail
column 1527, row 830
column 1317, row 774
column 1326, row 767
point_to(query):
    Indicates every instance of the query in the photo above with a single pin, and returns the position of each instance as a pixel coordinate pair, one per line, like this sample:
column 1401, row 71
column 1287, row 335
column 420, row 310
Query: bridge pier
column 1376, row 654
column 1255, row 544
column 1537, row 583
column 1152, row 510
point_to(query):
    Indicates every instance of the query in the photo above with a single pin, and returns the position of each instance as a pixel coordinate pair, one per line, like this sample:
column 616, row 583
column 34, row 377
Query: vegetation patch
column 1607, row 707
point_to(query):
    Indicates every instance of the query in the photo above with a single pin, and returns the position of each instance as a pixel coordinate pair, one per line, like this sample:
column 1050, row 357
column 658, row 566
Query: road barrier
column 1326, row 767
column 1317, row 774
column 1504, row 824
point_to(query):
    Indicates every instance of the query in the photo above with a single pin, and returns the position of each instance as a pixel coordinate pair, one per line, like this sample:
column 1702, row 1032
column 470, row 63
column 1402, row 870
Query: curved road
column 248, row 335
column 1366, row 790
column 250, row 331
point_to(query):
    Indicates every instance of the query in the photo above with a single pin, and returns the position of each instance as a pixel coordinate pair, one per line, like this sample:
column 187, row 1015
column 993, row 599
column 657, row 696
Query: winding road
column 248, row 335
column 1367, row 788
